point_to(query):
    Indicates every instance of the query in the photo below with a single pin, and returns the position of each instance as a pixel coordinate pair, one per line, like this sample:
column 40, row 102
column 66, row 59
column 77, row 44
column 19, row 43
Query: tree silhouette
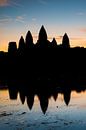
column 21, row 47
column 65, row 41
column 29, row 40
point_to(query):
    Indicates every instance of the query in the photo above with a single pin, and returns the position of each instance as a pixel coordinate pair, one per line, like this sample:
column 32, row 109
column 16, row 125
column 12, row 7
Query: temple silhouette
column 43, row 59
column 42, row 42
column 44, row 69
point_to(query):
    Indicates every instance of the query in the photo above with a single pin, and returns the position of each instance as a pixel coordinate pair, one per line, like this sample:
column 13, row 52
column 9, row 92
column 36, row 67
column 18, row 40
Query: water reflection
column 42, row 97
column 43, row 90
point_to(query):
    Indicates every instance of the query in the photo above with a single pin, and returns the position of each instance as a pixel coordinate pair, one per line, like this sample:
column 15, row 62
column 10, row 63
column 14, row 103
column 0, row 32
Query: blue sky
column 58, row 17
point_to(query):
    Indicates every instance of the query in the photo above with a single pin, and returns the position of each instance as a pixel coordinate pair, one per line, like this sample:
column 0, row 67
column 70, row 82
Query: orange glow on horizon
column 74, row 94
column 74, row 42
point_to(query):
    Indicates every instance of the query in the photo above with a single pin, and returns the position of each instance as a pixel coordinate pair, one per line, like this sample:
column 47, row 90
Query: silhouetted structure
column 65, row 41
column 42, row 42
column 12, row 48
column 29, row 40
column 42, row 39
column 22, row 47
column 54, row 43
column 47, row 72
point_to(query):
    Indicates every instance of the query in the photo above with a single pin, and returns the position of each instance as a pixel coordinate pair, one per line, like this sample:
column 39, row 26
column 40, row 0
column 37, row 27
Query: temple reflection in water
column 43, row 90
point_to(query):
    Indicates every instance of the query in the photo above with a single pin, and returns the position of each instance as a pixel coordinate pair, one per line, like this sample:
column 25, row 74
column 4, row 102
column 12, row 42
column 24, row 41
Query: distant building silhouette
column 54, row 43
column 12, row 48
column 65, row 41
column 42, row 39
column 42, row 34
column 42, row 42
column 29, row 40
column 21, row 48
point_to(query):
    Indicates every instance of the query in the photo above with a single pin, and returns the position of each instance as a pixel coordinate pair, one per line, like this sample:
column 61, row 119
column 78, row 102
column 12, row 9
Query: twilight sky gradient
column 58, row 17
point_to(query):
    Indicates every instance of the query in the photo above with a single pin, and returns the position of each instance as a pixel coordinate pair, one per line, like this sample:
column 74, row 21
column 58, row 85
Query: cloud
column 5, row 20
column 80, row 13
column 82, row 30
column 43, row 2
column 59, row 37
column 9, row 3
column 76, row 38
column 20, row 19
column 4, row 3
column 15, row 4
column 34, row 19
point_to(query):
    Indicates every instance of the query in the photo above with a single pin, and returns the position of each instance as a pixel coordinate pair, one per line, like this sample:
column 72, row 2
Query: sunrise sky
column 58, row 17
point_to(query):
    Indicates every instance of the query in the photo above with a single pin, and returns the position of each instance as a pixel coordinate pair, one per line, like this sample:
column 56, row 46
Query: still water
column 15, row 116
